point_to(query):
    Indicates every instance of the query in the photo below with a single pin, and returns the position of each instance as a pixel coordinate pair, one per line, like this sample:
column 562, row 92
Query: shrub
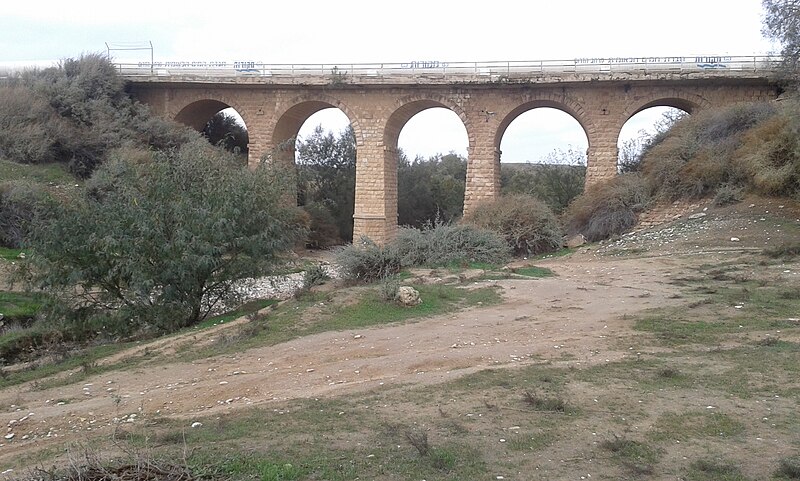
column 77, row 113
column 728, row 194
column 698, row 155
column 156, row 244
column 19, row 204
column 314, row 276
column 367, row 262
column 323, row 231
column 608, row 209
column 526, row 223
column 438, row 244
column 770, row 154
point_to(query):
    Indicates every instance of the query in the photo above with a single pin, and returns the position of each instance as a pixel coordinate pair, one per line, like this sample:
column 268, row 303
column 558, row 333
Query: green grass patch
column 532, row 442
column 533, row 271
column 245, row 309
column 40, row 173
column 9, row 254
column 19, row 306
column 289, row 320
column 714, row 470
column 636, row 456
column 695, row 424
column 86, row 360
column 788, row 468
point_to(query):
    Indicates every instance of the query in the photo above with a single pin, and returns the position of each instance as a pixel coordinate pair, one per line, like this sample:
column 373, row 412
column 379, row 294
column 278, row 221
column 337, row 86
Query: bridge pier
column 375, row 212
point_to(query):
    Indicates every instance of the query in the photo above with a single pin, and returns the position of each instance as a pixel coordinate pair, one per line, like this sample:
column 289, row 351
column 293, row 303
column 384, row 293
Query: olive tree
column 159, row 239
column 782, row 23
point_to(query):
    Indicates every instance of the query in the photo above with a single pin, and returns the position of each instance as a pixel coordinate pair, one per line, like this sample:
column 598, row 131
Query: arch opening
column 323, row 148
column 644, row 128
column 543, row 152
column 220, row 123
column 430, row 143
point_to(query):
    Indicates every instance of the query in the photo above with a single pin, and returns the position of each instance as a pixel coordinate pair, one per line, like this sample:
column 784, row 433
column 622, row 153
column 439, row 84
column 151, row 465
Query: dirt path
column 576, row 316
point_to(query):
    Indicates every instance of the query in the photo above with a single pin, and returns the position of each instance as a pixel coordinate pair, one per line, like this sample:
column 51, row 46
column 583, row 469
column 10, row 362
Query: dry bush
column 526, row 223
column 608, row 209
column 770, row 155
column 698, row 155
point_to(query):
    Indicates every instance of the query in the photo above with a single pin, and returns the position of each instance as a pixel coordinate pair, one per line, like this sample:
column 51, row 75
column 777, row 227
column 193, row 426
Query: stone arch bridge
column 601, row 94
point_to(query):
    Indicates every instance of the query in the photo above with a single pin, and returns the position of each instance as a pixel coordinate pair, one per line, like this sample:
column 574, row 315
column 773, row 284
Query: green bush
column 158, row 239
column 323, row 231
column 607, row 209
column 19, row 204
column 439, row 244
column 76, row 114
column 367, row 261
column 526, row 223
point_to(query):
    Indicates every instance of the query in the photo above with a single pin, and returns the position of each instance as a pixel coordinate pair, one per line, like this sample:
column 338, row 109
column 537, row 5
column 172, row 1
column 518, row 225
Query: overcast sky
column 368, row 31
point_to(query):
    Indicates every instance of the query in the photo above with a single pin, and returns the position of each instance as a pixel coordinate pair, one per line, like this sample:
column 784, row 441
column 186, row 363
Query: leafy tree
column 782, row 23
column 225, row 131
column 327, row 176
column 159, row 238
column 556, row 181
column 430, row 190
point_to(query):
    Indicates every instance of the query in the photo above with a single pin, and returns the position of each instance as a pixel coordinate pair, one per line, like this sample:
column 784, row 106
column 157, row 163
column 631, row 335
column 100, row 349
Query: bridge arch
column 688, row 102
column 196, row 113
column 566, row 105
column 289, row 121
column 407, row 107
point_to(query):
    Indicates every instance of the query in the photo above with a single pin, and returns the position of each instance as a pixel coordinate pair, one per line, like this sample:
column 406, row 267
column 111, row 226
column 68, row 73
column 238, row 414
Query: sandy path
column 578, row 314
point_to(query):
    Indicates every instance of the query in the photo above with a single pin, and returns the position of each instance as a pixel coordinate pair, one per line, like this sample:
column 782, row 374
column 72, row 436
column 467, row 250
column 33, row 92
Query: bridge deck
column 434, row 72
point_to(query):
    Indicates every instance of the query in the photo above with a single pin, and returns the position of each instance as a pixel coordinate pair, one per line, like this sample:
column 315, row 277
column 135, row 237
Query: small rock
column 576, row 241
column 9, row 436
column 408, row 296
column 734, row 239
column 699, row 215
column 196, row 424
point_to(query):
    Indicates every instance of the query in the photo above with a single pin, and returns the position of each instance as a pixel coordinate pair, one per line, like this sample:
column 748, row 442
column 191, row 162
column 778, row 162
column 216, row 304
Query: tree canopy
column 158, row 239
column 782, row 23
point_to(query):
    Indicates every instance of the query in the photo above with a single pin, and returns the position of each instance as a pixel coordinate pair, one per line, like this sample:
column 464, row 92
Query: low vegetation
column 720, row 154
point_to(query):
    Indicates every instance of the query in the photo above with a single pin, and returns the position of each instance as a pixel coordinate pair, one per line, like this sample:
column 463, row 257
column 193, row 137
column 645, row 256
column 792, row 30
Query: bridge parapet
column 435, row 72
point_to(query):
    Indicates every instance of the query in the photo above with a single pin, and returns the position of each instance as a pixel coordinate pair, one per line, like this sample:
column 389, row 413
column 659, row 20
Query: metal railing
column 428, row 68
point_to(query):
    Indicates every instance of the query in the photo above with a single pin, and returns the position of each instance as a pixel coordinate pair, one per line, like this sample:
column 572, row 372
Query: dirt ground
column 579, row 316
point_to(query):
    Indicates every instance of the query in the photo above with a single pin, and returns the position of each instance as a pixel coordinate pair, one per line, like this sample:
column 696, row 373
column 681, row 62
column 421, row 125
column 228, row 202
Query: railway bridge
column 601, row 94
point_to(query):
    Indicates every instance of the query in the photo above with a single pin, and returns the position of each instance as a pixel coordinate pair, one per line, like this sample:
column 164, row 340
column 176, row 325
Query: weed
column 714, row 470
column 314, row 276
column 695, row 424
column 788, row 249
column 637, row 456
column 419, row 440
column 389, row 289
column 669, row 373
column 442, row 459
column 769, row 341
column 789, row 468
column 540, row 403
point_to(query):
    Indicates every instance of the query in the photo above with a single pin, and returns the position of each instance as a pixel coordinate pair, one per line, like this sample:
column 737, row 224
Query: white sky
column 368, row 31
